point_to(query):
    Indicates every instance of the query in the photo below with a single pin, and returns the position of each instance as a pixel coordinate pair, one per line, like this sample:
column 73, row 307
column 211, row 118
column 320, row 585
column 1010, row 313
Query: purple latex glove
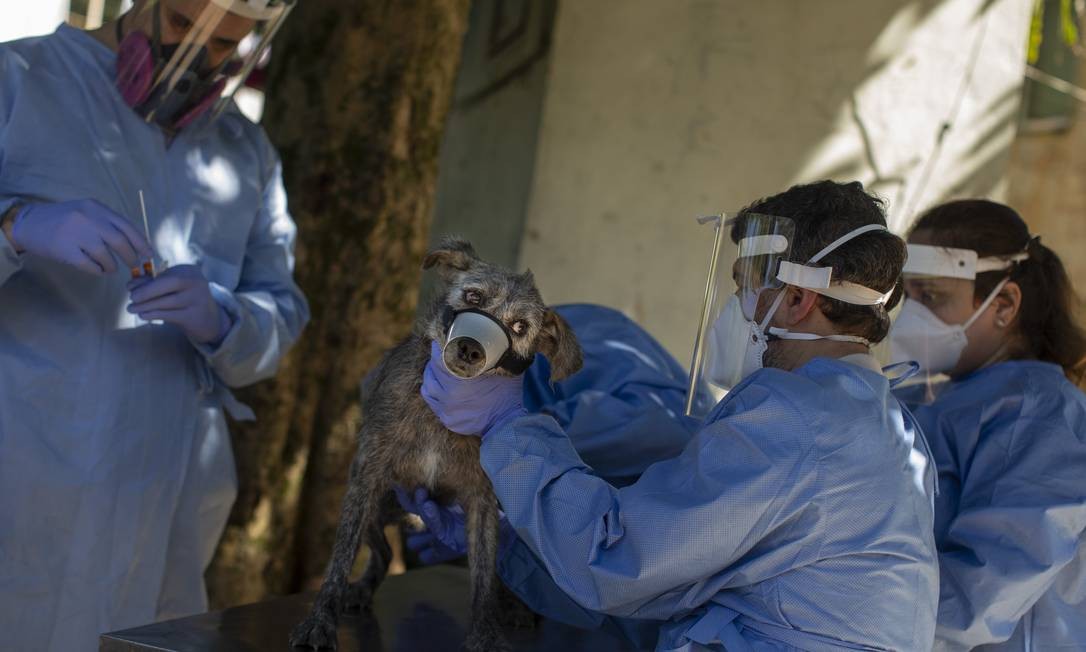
column 181, row 296
column 445, row 538
column 84, row 234
column 470, row 406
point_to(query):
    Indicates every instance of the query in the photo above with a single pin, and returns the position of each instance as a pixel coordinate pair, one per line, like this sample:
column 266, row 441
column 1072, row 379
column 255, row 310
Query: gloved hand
column 84, row 234
column 470, row 406
column 445, row 538
column 180, row 296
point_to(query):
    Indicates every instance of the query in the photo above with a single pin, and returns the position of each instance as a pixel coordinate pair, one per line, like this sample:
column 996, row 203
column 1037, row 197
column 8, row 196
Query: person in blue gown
column 1008, row 429
column 116, row 472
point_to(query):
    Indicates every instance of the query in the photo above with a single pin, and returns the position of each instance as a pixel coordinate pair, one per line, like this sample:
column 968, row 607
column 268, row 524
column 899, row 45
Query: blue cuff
column 231, row 307
column 506, row 418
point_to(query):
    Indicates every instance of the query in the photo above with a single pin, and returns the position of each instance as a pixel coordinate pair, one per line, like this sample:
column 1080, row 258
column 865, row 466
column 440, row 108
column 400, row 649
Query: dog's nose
column 469, row 351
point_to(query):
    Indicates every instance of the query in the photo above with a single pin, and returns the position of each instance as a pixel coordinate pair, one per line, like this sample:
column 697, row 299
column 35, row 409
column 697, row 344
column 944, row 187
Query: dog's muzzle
column 476, row 333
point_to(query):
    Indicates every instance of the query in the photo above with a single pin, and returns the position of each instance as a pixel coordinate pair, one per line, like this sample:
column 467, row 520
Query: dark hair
column 824, row 211
column 1046, row 318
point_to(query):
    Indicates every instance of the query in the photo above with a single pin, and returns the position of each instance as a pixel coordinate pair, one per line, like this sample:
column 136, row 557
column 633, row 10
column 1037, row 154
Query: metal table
column 424, row 610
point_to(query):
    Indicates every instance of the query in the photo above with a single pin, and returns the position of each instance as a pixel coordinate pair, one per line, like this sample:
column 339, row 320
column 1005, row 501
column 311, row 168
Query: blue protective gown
column 1010, row 521
column 798, row 517
column 116, row 474
column 625, row 409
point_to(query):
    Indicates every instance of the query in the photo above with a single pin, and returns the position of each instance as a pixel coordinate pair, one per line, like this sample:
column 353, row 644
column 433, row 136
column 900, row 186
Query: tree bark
column 358, row 94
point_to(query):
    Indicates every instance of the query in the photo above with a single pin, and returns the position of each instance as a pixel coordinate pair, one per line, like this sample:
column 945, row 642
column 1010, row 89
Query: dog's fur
column 402, row 442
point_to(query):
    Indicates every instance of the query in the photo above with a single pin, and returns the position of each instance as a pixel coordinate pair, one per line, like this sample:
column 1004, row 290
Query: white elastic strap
column 987, row 302
column 817, row 279
column 856, row 294
column 845, row 238
column 772, row 311
column 997, row 264
column 785, row 334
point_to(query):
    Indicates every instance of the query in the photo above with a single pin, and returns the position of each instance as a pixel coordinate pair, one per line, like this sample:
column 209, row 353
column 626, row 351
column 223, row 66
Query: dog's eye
column 519, row 327
column 472, row 297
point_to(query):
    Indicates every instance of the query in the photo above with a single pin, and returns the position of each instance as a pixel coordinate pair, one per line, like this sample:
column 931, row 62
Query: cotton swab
column 148, row 266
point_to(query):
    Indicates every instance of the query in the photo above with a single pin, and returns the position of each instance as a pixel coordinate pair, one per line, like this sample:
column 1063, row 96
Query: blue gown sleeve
column 624, row 409
column 630, row 551
column 1021, row 519
column 523, row 573
column 12, row 68
column 622, row 412
column 268, row 310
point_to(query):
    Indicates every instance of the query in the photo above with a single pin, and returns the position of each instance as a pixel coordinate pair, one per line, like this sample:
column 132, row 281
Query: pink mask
column 192, row 95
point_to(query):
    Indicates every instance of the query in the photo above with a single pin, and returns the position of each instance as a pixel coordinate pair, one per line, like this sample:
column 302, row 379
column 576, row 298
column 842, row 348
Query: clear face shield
column 179, row 60
column 752, row 256
column 745, row 261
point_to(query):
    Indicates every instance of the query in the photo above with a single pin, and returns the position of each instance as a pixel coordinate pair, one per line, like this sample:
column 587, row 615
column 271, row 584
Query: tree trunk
column 358, row 93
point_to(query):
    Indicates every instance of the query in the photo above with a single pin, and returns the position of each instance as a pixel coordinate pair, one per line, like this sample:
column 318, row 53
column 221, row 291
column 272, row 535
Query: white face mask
column 739, row 344
column 736, row 346
column 919, row 335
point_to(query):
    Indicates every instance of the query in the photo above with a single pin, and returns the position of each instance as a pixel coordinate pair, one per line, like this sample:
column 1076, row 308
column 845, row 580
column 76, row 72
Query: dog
column 402, row 442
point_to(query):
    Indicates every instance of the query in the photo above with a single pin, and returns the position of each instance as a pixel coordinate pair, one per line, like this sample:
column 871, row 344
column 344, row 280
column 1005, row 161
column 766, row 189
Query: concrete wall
column 19, row 19
column 488, row 153
column 657, row 112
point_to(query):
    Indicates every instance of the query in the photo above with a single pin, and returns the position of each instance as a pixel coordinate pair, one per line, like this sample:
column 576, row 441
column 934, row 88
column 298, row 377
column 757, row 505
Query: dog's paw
column 358, row 597
column 317, row 632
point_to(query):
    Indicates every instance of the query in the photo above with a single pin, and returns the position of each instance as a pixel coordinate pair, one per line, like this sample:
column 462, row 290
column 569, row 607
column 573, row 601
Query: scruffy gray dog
column 402, row 442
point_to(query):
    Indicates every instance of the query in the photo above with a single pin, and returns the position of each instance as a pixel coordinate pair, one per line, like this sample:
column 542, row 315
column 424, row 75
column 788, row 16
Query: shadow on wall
column 656, row 113
column 936, row 115
column 488, row 150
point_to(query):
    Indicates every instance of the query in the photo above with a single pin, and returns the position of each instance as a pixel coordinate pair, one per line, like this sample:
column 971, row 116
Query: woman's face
column 178, row 17
column 953, row 301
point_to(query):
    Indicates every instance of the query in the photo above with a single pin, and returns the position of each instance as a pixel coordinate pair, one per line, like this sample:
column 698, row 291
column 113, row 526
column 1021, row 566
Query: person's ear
column 1007, row 304
column 797, row 305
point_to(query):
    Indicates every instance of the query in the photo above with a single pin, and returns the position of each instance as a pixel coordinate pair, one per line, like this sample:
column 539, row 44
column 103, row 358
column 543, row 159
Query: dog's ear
column 451, row 255
column 558, row 343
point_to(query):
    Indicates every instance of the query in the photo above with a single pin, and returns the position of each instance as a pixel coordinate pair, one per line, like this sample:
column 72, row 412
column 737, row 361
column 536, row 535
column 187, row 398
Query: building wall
column 22, row 19
column 657, row 112
column 1047, row 186
column 488, row 153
